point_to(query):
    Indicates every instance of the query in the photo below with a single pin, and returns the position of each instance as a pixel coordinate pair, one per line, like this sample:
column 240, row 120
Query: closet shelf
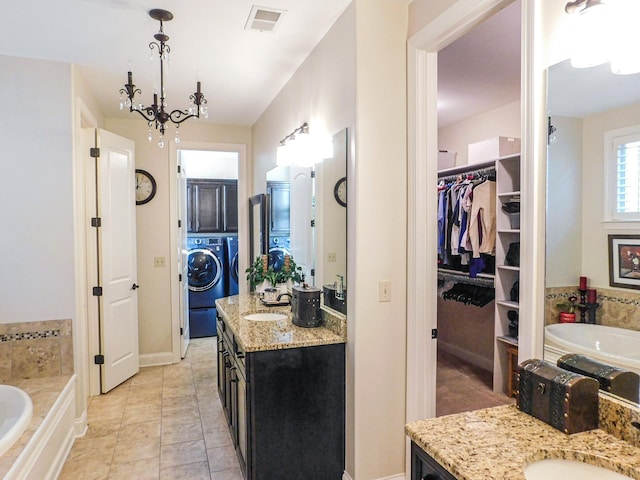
column 509, row 267
column 509, row 194
column 509, row 230
column 508, row 340
column 508, row 304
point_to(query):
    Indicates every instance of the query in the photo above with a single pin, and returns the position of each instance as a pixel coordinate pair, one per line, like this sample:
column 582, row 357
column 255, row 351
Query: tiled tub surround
column 617, row 308
column 35, row 350
column 40, row 450
column 497, row 443
column 276, row 335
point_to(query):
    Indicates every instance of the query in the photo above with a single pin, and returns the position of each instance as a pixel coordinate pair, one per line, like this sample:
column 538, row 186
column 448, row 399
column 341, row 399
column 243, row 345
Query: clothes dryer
column 278, row 248
column 233, row 274
column 206, row 265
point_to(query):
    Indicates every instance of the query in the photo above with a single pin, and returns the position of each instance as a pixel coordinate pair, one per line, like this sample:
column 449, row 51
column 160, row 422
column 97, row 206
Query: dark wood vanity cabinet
column 212, row 206
column 423, row 467
column 285, row 409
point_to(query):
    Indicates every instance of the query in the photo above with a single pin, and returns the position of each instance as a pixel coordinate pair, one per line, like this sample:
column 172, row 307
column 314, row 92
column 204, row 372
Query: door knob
column 134, row 286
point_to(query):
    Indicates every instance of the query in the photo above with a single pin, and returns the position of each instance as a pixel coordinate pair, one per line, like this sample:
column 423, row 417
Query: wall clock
column 340, row 191
column 145, row 187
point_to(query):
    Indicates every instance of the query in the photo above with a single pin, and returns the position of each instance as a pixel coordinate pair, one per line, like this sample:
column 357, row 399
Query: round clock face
column 340, row 191
column 145, row 187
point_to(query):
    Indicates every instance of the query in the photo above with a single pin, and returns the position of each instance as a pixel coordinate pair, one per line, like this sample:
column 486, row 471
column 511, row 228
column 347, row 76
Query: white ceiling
column 241, row 71
column 481, row 70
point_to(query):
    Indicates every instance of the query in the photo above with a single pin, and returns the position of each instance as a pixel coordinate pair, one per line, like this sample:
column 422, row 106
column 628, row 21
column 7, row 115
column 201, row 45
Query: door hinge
column 94, row 152
column 313, row 223
column 313, row 272
column 313, row 174
column 179, row 170
column 181, row 331
column 98, row 359
column 96, row 222
column 97, row 291
column 434, row 333
column 179, row 277
column 179, row 223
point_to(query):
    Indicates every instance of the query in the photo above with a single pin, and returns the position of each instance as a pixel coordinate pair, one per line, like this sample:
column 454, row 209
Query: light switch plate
column 384, row 291
column 158, row 261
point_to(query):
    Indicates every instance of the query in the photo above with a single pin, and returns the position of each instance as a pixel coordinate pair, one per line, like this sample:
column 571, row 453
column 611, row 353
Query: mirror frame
column 260, row 202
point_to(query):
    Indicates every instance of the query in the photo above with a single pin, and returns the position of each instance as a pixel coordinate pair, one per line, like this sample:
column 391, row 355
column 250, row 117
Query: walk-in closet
column 478, row 214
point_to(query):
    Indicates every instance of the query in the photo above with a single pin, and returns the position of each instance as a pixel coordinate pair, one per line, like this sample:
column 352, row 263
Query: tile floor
column 164, row 423
column 462, row 387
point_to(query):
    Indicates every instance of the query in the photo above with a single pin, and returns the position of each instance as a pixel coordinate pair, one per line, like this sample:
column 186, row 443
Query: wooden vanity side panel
column 297, row 413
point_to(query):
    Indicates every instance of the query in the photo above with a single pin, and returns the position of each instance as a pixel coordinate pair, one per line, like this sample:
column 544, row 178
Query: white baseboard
column 80, row 425
column 483, row 363
column 153, row 359
column 400, row 476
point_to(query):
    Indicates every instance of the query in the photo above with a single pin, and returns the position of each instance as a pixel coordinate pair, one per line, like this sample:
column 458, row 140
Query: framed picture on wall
column 624, row 261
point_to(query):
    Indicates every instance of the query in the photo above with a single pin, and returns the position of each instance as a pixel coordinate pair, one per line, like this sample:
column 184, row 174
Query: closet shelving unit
column 507, row 188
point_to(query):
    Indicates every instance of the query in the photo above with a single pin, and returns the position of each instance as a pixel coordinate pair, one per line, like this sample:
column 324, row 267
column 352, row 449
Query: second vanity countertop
column 257, row 336
column 497, row 443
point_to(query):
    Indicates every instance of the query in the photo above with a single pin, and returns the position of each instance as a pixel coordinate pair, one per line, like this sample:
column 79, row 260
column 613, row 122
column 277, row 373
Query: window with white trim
column 622, row 155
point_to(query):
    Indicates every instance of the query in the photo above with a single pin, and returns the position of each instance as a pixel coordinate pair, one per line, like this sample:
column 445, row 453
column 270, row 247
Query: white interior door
column 117, row 259
column 302, row 234
column 183, row 256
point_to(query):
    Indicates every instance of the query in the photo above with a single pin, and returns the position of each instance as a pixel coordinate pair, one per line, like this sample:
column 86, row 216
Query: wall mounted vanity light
column 156, row 113
column 605, row 31
column 303, row 149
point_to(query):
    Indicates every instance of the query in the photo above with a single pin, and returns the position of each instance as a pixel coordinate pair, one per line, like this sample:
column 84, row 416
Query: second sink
column 265, row 317
column 556, row 469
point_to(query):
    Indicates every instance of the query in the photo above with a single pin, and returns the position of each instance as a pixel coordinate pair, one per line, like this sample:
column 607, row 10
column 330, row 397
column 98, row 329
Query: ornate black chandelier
column 156, row 113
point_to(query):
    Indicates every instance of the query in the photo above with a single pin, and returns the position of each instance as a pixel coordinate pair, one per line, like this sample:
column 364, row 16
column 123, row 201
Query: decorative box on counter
column 305, row 305
column 624, row 383
column 565, row 400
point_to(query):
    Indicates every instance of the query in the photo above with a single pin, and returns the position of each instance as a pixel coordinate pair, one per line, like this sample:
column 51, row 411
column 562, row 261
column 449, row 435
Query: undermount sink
column 558, row 469
column 265, row 317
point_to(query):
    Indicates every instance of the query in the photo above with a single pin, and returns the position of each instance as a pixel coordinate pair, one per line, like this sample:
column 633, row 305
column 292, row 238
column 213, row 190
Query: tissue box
column 565, row 400
column 493, row 148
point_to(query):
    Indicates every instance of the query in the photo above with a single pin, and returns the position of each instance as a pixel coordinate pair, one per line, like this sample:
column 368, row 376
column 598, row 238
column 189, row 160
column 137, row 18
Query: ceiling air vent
column 264, row 19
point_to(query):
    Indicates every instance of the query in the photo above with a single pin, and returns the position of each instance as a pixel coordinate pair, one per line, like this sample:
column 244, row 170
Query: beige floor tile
column 182, row 416
column 147, row 469
column 92, row 469
column 145, row 398
column 151, row 370
column 180, row 433
column 87, row 448
column 148, row 430
column 192, row 471
column 172, row 392
column 142, row 413
column 103, row 428
column 148, row 379
column 179, row 403
column 229, row 474
column 213, row 422
column 182, row 454
column 130, row 450
column 218, row 437
column 222, row 458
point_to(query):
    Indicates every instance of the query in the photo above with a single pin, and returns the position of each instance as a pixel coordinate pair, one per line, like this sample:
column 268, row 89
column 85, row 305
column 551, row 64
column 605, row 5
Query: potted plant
column 289, row 271
column 568, row 309
column 259, row 271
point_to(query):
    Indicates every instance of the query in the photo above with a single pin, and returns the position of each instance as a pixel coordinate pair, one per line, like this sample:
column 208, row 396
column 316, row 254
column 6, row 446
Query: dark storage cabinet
column 279, row 208
column 423, row 467
column 285, row 409
column 212, row 206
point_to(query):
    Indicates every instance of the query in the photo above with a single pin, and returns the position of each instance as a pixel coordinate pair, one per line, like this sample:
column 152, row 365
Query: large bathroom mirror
column 583, row 105
column 308, row 220
column 258, row 232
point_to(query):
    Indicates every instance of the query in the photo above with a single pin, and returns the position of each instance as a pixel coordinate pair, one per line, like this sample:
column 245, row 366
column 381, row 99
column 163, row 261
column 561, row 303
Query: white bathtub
column 610, row 345
column 16, row 411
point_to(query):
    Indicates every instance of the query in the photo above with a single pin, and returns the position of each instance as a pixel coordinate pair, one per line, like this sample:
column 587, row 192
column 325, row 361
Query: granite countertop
column 276, row 335
column 497, row 443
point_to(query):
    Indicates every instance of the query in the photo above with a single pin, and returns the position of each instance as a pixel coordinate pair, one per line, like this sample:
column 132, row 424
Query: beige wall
column 153, row 228
column 36, row 191
column 503, row 121
column 422, row 12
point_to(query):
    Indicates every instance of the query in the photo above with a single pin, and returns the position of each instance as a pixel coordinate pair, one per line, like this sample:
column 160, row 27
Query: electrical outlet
column 158, row 261
column 384, row 291
column 331, row 257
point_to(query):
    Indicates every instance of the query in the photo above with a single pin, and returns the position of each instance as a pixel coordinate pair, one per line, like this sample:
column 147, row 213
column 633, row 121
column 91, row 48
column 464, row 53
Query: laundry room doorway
column 210, row 243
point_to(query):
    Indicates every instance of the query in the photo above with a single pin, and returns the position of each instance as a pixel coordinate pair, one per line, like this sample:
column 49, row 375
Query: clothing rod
column 465, row 278
column 480, row 172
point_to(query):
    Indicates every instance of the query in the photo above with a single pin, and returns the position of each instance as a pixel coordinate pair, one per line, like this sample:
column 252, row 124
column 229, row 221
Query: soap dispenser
column 339, row 287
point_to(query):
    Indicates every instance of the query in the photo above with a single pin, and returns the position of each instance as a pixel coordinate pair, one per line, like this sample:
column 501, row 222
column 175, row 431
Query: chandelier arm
column 178, row 116
column 150, row 115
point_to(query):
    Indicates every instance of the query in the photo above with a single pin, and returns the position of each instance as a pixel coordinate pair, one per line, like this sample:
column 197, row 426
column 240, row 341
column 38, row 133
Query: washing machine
column 278, row 248
column 206, row 265
column 233, row 274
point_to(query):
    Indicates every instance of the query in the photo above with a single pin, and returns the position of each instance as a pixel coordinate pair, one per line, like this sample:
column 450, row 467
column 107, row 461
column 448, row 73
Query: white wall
column 503, row 121
column 37, row 275
column 564, row 204
column 595, row 262
column 153, row 227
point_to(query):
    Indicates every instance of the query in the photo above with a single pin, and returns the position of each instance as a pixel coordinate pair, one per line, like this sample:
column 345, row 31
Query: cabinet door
column 423, row 467
column 207, row 207
column 230, row 207
column 190, row 210
column 279, row 212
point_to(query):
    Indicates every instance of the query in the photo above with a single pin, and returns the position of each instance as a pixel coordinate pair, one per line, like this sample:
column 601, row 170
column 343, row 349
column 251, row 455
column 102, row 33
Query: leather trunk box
column 565, row 400
column 612, row 379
